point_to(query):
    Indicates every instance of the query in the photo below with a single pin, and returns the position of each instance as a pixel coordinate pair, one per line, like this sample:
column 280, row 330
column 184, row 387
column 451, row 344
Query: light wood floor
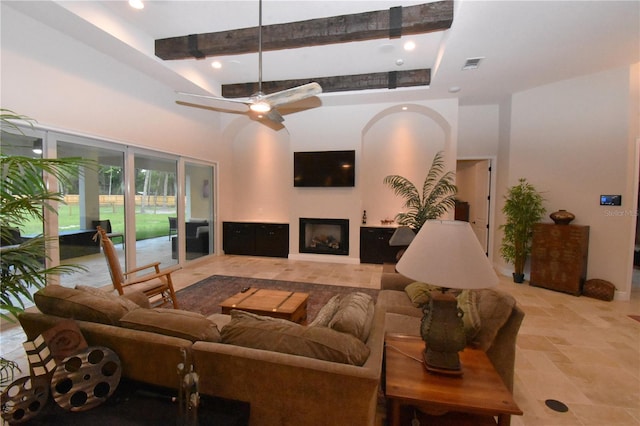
column 583, row 352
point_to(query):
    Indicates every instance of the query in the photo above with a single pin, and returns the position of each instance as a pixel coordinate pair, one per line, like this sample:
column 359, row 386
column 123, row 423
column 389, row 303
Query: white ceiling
column 524, row 43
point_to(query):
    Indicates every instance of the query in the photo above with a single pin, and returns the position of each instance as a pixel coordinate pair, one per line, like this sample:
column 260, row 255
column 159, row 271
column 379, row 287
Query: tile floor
column 583, row 352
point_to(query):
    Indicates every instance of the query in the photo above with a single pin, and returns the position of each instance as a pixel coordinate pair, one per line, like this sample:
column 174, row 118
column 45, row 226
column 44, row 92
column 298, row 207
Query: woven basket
column 599, row 289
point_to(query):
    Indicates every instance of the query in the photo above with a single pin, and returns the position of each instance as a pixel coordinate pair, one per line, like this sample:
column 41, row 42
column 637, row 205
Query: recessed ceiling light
column 216, row 64
column 136, row 4
column 410, row 45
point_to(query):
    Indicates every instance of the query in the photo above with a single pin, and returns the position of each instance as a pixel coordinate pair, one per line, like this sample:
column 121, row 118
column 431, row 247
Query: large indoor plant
column 24, row 194
column 437, row 195
column 522, row 209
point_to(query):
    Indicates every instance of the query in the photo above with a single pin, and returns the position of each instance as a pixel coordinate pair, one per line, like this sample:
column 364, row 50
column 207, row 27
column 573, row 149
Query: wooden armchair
column 157, row 285
column 106, row 225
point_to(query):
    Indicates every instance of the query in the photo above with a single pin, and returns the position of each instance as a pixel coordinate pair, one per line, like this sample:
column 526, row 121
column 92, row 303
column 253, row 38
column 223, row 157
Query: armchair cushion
column 81, row 305
column 172, row 322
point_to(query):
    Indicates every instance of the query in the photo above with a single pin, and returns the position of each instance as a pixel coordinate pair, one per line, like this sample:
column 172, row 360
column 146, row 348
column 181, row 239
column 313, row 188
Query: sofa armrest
column 502, row 351
column 394, row 281
column 146, row 357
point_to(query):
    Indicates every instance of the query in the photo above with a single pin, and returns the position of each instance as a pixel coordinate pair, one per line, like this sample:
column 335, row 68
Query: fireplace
column 324, row 236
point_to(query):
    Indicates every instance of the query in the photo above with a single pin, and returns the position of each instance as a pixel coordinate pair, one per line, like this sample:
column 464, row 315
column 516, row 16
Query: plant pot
column 518, row 278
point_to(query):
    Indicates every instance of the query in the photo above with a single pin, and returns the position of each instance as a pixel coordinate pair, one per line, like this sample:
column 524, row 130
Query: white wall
column 62, row 83
column 571, row 140
column 478, row 131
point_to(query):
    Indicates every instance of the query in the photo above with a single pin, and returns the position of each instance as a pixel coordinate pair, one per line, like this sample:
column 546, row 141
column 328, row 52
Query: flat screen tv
column 324, row 168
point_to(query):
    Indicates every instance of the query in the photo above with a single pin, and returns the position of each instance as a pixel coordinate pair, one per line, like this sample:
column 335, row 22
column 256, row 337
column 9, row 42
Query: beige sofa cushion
column 354, row 315
column 494, row 309
column 127, row 303
column 287, row 337
column 326, row 313
column 172, row 322
column 67, row 302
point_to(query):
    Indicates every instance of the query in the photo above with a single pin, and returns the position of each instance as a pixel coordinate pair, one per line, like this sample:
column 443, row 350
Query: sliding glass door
column 155, row 207
column 198, row 210
column 134, row 194
column 95, row 198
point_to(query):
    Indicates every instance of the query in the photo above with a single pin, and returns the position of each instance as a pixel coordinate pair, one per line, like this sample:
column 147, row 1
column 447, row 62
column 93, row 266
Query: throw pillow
column 326, row 313
column 80, row 305
column 419, row 293
column 494, row 309
column 126, row 303
column 172, row 322
column 467, row 302
column 354, row 315
column 287, row 337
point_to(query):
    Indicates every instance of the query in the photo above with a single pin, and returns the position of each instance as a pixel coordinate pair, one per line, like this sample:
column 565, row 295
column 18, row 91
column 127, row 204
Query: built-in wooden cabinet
column 559, row 257
column 374, row 245
column 256, row 239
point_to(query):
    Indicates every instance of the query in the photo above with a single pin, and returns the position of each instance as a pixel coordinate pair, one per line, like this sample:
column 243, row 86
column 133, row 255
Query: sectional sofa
column 282, row 388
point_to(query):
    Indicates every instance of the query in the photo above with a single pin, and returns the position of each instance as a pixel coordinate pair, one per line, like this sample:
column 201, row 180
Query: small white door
column 479, row 210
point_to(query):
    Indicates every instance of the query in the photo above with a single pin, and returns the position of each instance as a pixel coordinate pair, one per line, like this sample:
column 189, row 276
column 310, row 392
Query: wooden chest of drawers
column 559, row 257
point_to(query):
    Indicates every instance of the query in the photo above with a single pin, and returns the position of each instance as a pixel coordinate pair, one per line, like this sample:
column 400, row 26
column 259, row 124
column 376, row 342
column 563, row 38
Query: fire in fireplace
column 324, row 236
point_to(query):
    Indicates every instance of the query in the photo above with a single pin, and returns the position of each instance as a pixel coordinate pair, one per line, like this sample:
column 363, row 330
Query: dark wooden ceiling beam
column 343, row 83
column 419, row 19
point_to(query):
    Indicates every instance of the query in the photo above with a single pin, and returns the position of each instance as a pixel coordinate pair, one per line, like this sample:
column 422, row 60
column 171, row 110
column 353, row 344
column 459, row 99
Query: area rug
column 205, row 296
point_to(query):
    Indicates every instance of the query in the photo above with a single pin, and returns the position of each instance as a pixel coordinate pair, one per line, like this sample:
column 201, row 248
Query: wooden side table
column 479, row 392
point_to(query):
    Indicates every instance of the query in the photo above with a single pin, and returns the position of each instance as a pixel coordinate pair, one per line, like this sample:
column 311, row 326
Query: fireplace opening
column 324, row 236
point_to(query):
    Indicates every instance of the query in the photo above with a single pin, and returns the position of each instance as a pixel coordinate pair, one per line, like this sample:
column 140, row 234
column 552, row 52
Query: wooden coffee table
column 479, row 392
column 288, row 305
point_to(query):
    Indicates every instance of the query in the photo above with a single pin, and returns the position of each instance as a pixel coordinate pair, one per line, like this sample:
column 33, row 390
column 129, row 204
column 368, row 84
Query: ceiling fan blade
column 230, row 108
column 293, row 95
column 215, row 101
column 274, row 116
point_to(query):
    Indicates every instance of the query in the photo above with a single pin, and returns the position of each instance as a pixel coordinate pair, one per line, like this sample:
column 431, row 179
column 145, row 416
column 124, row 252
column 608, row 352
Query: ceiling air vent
column 471, row 64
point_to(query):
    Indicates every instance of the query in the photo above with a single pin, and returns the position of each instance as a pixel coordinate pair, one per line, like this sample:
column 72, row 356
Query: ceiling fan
column 263, row 105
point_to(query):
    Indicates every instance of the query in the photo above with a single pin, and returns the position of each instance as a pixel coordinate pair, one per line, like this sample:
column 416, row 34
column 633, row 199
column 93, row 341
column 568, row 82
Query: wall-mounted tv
column 324, row 168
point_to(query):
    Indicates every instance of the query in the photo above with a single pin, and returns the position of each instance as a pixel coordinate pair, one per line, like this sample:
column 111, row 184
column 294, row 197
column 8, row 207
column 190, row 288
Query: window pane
column 155, row 184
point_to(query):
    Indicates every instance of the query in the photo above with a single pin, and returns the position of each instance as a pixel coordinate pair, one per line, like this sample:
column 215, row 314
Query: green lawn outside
column 148, row 225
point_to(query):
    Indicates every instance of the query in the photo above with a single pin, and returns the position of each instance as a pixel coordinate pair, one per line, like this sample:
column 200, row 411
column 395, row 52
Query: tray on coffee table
column 284, row 304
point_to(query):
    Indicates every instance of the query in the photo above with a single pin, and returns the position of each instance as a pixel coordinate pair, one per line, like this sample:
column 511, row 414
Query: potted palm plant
column 522, row 208
column 24, row 195
column 437, row 195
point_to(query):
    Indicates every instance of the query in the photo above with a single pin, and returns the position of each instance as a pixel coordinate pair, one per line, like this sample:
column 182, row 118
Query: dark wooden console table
column 256, row 238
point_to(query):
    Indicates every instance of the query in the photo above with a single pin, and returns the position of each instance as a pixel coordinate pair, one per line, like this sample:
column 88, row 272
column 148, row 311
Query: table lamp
column 401, row 238
column 446, row 254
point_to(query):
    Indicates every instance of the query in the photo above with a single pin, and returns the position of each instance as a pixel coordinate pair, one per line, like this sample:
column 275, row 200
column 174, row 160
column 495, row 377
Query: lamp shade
column 402, row 236
column 446, row 253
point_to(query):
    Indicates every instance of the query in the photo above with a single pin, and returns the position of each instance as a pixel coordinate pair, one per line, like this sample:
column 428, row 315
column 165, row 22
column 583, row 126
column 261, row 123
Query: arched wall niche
column 260, row 171
column 403, row 142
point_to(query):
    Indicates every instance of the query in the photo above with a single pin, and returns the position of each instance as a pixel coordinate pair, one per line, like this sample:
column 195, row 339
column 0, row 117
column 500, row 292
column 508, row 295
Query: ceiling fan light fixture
column 260, row 106
column 136, row 4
